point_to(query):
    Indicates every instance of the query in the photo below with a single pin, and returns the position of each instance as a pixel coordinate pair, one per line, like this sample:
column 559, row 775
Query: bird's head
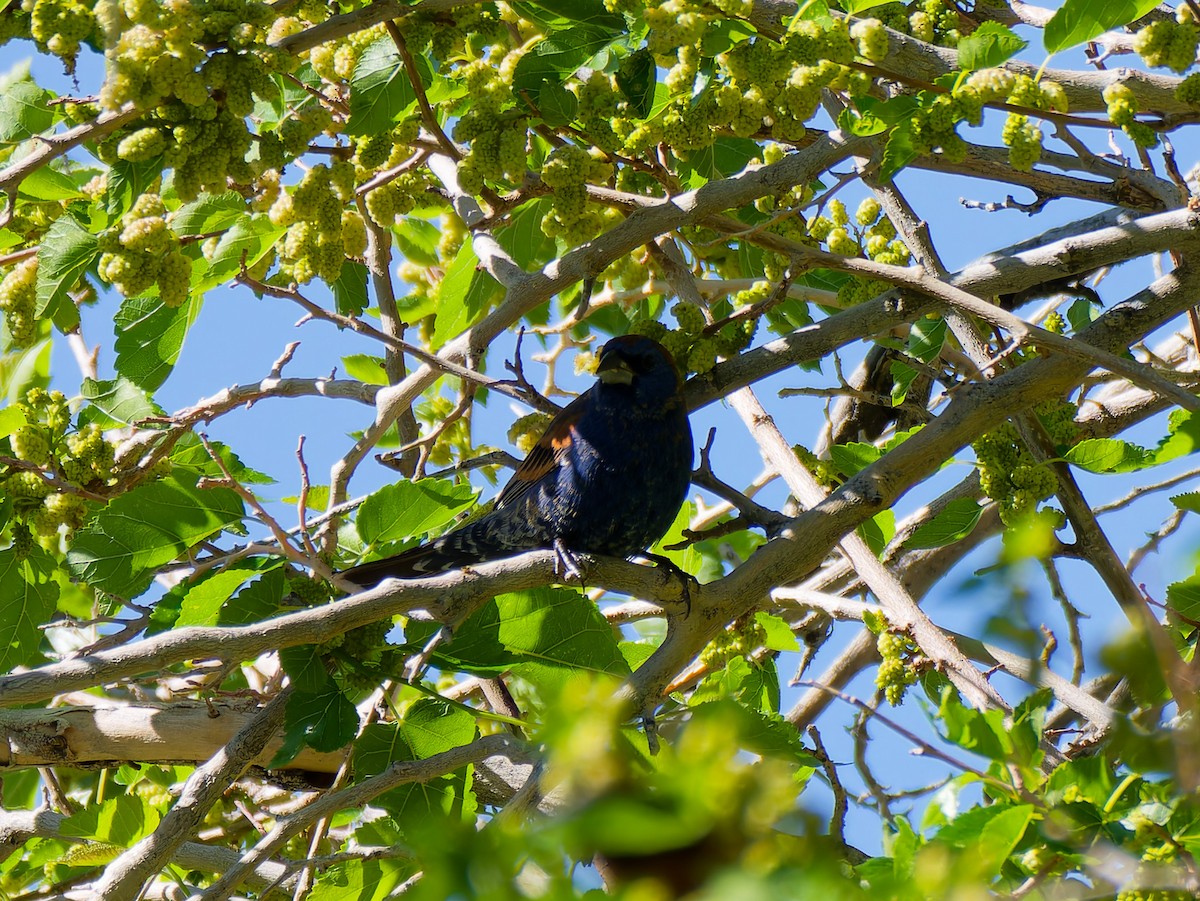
column 641, row 364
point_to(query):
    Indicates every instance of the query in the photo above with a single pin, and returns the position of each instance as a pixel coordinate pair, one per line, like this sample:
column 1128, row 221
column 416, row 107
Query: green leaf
column 557, row 56
column 430, row 726
column 27, row 601
column 120, row 821
column 24, row 111
column 850, row 458
column 556, row 104
column 1108, row 455
column 139, row 531
column 591, row 12
column 11, row 419
column 989, row 45
column 324, row 720
column 523, row 237
column 21, row 370
column 926, row 339
column 463, row 295
column 116, row 402
column 1081, row 20
column 418, row 240
column 150, row 337
column 780, row 636
column 955, row 522
column 350, row 288
column 248, row 239
column 67, row 250
column 305, row 668
column 1189, row 501
column 898, row 152
column 1183, row 436
column 407, row 509
column 858, row 7
column 878, row 530
column 724, row 157
column 381, row 92
column 636, row 80
column 46, row 184
column 366, row 368
column 983, row 732
column 208, row 213
column 552, row 626
column 1183, row 598
column 358, row 880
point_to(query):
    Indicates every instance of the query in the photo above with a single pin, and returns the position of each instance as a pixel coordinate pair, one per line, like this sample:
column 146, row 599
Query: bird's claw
column 565, row 562
column 671, row 569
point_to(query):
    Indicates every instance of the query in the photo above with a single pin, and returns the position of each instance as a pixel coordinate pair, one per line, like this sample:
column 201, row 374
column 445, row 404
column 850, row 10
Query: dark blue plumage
column 606, row 477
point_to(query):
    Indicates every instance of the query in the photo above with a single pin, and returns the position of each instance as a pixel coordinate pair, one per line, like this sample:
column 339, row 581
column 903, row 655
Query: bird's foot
column 566, row 564
column 671, row 569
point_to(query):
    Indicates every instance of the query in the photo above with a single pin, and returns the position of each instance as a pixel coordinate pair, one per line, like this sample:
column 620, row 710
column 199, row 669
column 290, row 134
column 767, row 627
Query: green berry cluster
column 321, row 229
column 335, row 61
column 82, row 459
column 141, row 250
column 1170, row 43
column 1024, row 140
column 935, row 22
column 60, row 26
column 18, row 300
column 740, row 639
column 453, row 442
column 870, row 234
column 1122, row 108
column 694, row 345
column 568, row 170
column 899, row 657
column 1056, row 323
column 497, row 134
column 308, row 590
column 525, row 432
column 1008, row 473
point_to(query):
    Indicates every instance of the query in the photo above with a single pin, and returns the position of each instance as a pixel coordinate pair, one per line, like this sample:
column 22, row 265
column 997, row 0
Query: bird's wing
column 547, row 455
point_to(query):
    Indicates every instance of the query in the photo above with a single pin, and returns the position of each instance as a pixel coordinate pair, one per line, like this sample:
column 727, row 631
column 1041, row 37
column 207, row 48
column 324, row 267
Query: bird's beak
column 614, row 370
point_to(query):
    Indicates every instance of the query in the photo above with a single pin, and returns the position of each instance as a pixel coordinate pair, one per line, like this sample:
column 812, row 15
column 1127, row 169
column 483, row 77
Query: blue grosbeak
column 607, row 477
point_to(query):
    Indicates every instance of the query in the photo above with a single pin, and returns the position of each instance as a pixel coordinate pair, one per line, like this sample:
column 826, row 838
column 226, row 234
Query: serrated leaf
column 358, row 880
column 463, row 295
column 636, row 80
column 145, row 528
column 548, row 626
column 27, row 602
column 898, row 152
column 407, row 509
column 557, row 56
column 248, row 239
column 67, row 250
column 116, row 402
column 858, row 7
column 122, row 820
column 850, row 458
column 955, row 522
column 988, row 45
column 46, row 184
column 418, row 240
column 1108, row 455
column 350, row 288
column 381, row 91
column 1077, row 21
column 926, row 339
column 1189, row 501
column 366, row 368
column 150, row 337
column 208, row 213
column 1183, row 598
column 11, row 419
column 779, row 635
column 324, row 720
column 1183, row 436
column 24, row 111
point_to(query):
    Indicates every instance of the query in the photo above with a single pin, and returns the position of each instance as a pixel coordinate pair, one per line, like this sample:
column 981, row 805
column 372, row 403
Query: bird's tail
column 472, row 543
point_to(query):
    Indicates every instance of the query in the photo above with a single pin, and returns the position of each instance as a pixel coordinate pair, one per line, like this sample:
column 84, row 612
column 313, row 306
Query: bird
column 607, row 477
